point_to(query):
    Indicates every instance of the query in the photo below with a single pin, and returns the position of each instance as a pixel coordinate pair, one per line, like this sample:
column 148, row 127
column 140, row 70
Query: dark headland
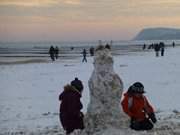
column 158, row 34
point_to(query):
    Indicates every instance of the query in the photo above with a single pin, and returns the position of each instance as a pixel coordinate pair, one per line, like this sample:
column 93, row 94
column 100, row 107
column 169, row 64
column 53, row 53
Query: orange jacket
column 137, row 108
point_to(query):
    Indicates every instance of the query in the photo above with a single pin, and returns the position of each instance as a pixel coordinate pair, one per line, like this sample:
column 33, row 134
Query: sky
column 83, row 20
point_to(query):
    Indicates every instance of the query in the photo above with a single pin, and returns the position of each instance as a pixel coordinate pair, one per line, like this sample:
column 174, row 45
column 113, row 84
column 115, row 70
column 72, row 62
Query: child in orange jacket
column 137, row 107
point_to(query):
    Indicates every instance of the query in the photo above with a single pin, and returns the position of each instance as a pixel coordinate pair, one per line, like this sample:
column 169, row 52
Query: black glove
column 153, row 117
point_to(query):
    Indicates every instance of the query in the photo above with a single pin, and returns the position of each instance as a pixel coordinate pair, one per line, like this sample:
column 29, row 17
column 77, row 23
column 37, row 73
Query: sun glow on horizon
column 37, row 3
column 64, row 18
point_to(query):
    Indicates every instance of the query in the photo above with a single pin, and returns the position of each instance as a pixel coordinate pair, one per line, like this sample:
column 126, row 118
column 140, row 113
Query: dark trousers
column 162, row 53
column 157, row 53
column 84, row 59
column 70, row 123
column 52, row 57
column 141, row 125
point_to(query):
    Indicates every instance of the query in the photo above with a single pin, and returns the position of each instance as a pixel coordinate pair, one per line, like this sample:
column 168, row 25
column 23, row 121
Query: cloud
column 96, row 8
column 72, row 2
column 27, row 3
column 38, row 3
column 155, row 3
column 91, row 11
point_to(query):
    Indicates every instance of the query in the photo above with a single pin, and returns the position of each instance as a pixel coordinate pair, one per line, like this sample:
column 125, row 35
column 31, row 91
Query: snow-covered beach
column 29, row 91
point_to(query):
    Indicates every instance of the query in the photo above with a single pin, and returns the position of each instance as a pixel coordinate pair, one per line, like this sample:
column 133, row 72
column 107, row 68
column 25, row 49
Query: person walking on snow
column 70, row 114
column 162, row 48
column 137, row 107
column 51, row 52
column 157, row 49
column 56, row 52
column 84, row 55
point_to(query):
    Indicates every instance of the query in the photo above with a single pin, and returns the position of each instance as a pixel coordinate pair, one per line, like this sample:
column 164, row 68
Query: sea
column 72, row 49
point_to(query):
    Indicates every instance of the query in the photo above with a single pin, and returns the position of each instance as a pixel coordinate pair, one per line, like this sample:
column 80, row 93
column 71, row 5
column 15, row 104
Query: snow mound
column 106, row 89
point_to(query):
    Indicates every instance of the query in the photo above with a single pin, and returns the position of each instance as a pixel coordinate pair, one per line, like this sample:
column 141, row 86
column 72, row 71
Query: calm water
column 40, row 49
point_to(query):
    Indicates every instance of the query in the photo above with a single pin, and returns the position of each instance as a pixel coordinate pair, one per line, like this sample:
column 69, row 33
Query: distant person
column 91, row 51
column 173, row 44
column 144, row 47
column 149, row 47
column 137, row 107
column 72, row 48
column 51, row 52
column 162, row 47
column 107, row 46
column 71, row 116
column 157, row 49
column 84, row 55
column 56, row 51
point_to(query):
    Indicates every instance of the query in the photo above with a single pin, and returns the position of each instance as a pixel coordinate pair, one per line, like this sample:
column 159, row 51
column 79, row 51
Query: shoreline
column 64, row 54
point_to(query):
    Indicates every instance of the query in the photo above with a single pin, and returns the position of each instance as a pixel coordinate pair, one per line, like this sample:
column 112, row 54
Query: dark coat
column 51, row 50
column 70, row 115
column 157, row 47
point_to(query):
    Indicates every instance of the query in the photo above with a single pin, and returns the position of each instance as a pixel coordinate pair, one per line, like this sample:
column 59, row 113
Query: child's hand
column 153, row 117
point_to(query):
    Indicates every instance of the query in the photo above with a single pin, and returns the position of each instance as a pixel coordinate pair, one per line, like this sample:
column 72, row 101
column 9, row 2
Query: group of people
column 134, row 104
column 53, row 52
column 158, row 47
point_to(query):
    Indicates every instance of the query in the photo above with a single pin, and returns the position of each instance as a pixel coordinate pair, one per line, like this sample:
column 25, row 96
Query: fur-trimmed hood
column 68, row 89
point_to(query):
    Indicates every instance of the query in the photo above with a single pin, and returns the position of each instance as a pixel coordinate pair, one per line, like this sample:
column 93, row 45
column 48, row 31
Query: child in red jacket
column 137, row 107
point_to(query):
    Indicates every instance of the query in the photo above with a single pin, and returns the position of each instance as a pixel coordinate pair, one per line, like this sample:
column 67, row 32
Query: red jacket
column 136, row 107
